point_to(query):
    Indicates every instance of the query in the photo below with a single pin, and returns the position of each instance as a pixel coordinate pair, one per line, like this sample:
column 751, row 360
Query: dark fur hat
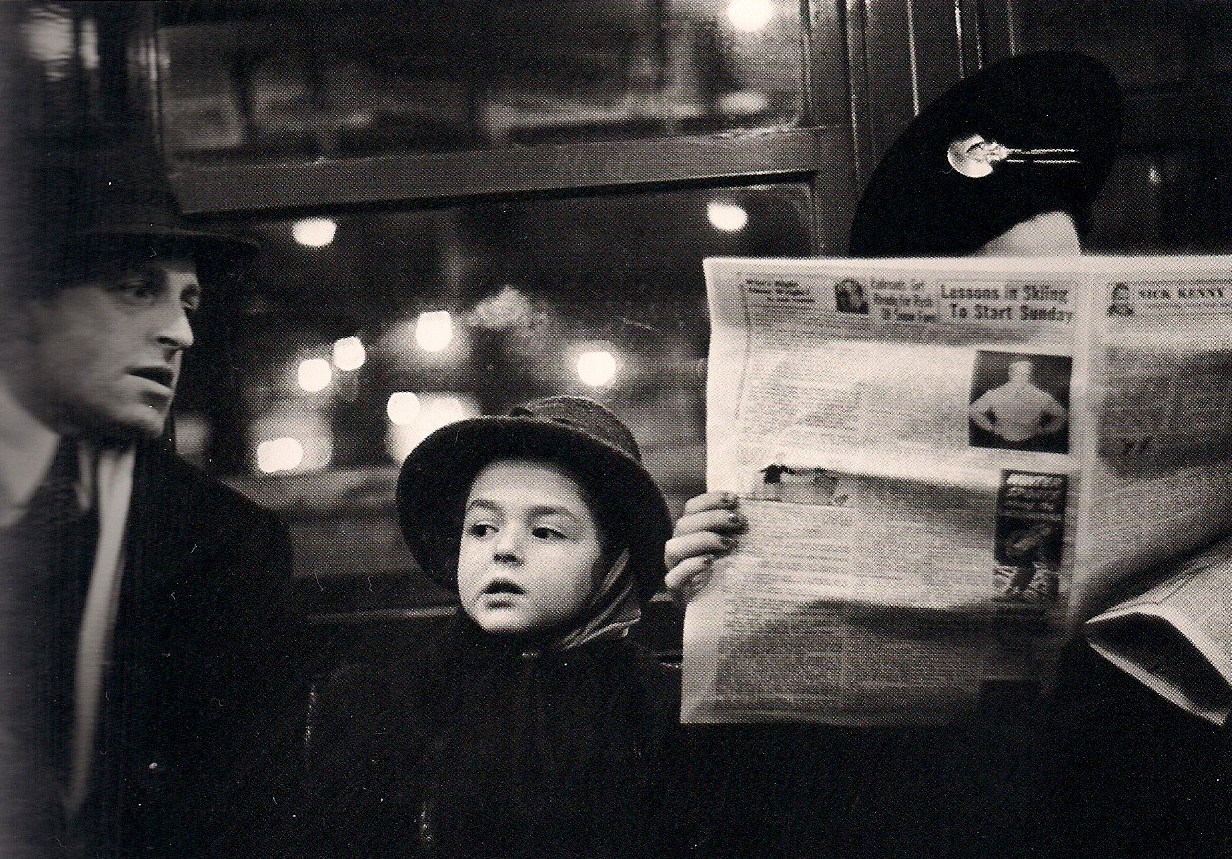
column 919, row 204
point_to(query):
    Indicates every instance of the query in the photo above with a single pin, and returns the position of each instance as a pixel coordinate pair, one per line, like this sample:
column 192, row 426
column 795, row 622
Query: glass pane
column 1171, row 189
column 324, row 77
column 352, row 336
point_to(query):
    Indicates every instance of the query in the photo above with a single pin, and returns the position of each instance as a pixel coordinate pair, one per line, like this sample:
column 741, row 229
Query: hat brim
column 436, row 478
column 200, row 240
column 915, row 204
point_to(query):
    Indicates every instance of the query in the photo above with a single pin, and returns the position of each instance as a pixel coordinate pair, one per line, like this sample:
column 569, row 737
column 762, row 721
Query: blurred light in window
column 596, row 368
column 279, row 454
column 728, row 217
column 314, row 374
column 743, row 102
column 1154, row 176
column 88, row 50
column 314, row 232
column 192, row 438
column 435, row 411
column 434, row 330
column 402, row 408
column 49, row 34
column 349, row 353
column 290, row 437
column 750, row 16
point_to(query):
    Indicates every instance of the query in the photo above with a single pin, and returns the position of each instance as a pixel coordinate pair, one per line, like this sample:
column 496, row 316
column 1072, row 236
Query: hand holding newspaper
column 947, row 466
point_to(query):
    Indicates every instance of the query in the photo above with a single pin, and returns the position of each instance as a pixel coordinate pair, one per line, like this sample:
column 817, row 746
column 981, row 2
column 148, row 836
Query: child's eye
column 480, row 530
column 543, row 532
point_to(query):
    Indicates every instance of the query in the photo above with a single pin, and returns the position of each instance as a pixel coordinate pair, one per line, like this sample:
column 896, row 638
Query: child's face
column 530, row 551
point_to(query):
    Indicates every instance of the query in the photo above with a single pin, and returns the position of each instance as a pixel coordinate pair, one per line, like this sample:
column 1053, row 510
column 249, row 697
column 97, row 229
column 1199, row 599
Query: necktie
column 55, row 502
column 58, row 539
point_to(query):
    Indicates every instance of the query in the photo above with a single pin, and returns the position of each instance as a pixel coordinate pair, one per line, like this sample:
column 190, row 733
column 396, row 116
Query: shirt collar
column 27, row 447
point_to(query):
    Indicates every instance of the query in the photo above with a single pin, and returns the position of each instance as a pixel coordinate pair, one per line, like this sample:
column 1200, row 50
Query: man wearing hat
column 1007, row 162
column 148, row 632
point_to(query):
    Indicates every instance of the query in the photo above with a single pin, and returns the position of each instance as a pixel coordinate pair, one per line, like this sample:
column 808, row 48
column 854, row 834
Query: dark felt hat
column 97, row 195
column 580, row 435
column 926, row 198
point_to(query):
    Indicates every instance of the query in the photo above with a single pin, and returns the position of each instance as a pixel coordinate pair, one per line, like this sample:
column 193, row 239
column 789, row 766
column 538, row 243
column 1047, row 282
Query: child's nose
column 508, row 546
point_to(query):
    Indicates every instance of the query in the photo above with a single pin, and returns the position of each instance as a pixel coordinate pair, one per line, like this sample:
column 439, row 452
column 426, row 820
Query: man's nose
column 174, row 328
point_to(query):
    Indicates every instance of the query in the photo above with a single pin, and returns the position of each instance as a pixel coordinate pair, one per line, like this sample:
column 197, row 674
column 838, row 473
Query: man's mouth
column 164, row 376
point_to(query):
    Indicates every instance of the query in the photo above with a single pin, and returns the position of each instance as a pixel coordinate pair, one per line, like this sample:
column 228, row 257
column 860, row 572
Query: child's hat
column 590, row 442
column 1032, row 134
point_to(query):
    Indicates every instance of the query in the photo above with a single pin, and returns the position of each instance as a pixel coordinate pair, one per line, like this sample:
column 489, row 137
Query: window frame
column 863, row 71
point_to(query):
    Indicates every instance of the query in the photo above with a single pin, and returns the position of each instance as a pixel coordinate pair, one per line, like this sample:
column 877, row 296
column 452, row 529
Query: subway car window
column 1171, row 189
column 351, row 336
column 258, row 80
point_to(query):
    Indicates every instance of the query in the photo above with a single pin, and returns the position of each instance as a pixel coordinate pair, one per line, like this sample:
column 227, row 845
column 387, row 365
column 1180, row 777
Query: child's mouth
column 503, row 586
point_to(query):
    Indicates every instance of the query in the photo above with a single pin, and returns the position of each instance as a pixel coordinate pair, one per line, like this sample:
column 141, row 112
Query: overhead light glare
column 314, row 232
column 726, row 216
column 279, row 454
column 349, row 353
column 314, row 374
column 750, row 16
column 596, row 368
column 402, row 407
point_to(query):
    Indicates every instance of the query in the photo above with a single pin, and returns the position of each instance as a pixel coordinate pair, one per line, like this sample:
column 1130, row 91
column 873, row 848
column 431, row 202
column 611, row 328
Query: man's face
column 531, row 552
column 105, row 353
column 1047, row 234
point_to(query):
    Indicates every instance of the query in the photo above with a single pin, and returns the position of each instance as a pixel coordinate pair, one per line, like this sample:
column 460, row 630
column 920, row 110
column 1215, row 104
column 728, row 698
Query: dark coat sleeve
column 210, row 644
column 1135, row 775
column 258, row 723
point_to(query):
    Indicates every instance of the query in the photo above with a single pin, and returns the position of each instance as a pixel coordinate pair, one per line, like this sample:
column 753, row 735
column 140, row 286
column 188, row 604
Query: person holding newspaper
column 1007, row 162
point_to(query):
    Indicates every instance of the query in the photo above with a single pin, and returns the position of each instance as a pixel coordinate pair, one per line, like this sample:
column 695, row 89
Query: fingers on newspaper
column 948, row 466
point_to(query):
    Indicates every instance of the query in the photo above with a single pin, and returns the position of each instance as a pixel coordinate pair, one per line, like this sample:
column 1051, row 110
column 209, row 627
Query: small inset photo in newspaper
column 780, row 480
column 1020, row 401
column 1029, row 537
column 849, row 296
column 1121, row 302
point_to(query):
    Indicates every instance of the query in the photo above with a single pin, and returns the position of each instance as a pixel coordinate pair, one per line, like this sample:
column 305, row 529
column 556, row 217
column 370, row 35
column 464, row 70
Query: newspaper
column 947, row 465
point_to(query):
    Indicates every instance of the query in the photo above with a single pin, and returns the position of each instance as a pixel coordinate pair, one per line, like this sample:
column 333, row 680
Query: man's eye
column 191, row 302
column 137, row 290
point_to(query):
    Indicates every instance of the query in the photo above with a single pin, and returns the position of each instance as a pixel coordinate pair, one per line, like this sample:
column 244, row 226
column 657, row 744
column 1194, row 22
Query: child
column 532, row 727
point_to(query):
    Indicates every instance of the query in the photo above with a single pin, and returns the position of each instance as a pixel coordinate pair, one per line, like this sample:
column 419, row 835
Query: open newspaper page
column 911, row 440
column 1161, row 481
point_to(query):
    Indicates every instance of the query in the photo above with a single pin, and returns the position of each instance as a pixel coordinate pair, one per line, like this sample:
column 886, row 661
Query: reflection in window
column 362, row 77
column 313, row 378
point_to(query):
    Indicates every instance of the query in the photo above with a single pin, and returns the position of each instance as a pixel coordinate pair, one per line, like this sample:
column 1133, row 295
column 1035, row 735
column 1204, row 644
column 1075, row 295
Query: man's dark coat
column 202, row 710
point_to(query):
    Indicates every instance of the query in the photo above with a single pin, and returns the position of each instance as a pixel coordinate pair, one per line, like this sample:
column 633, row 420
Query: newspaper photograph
column 947, row 465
